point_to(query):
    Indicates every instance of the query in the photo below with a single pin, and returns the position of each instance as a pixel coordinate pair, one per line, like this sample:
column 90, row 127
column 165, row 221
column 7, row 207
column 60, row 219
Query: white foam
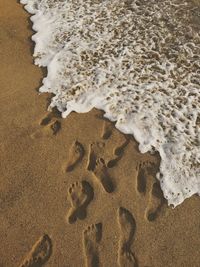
column 136, row 60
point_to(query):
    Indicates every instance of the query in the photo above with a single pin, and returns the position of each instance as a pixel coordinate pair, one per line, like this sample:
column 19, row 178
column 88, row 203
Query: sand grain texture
column 68, row 206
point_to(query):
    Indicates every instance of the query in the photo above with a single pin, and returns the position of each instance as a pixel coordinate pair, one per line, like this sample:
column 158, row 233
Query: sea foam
column 136, row 60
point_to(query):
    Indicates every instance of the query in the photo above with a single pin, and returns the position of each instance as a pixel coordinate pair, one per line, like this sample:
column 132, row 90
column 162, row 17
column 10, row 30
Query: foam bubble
column 136, row 60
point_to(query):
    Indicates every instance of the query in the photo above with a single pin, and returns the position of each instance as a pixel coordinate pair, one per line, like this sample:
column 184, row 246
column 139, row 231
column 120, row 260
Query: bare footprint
column 46, row 120
column 51, row 123
column 76, row 154
column 107, row 130
column 127, row 225
column 120, row 149
column 141, row 179
column 144, row 169
column 96, row 150
column 40, row 253
column 80, row 195
column 51, row 116
column 101, row 174
column 91, row 238
column 156, row 201
column 55, row 127
column 150, row 189
column 118, row 152
column 49, row 128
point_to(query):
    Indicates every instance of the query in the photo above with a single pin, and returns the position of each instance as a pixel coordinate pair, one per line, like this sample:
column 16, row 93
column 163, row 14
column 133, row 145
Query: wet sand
column 75, row 191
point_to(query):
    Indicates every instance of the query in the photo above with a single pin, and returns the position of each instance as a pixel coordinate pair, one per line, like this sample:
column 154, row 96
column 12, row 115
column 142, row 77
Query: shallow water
column 136, row 60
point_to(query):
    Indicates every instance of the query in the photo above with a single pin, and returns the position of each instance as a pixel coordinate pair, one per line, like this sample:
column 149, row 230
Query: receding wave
column 139, row 61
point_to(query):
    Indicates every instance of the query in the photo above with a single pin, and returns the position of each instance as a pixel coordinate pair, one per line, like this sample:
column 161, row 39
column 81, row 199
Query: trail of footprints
column 80, row 194
column 92, row 235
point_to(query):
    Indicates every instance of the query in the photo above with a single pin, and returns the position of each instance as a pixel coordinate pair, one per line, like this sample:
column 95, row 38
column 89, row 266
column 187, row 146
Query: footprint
column 96, row 150
column 144, row 170
column 91, row 238
column 49, row 127
column 101, row 174
column 107, row 130
column 99, row 159
column 55, row 127
column 127, row 225
column 40, row 253
column 76, row 154
column 141, row 179
column 80, row 195
column 156, row 201
column 45, row 121
column 150, row 189
column 118, row 152
column 50, row 122
column 120, row 149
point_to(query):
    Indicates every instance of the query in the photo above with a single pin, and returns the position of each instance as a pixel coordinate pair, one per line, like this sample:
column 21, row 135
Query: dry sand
column 76, row 192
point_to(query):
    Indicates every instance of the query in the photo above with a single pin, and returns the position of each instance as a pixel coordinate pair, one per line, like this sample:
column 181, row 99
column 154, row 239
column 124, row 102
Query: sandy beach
column 76, row 192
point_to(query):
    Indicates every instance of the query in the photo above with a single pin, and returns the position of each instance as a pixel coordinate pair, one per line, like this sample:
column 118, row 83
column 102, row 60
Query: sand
column 76, row 192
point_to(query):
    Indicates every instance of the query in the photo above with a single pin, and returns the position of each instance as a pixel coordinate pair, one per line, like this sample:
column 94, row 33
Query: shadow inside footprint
column 40, row 253
column 107, row 130
column 92, row 161
column 111, row 163
column 45, row 121
column 55, row 127
column 80, row 195
column 141, row 180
